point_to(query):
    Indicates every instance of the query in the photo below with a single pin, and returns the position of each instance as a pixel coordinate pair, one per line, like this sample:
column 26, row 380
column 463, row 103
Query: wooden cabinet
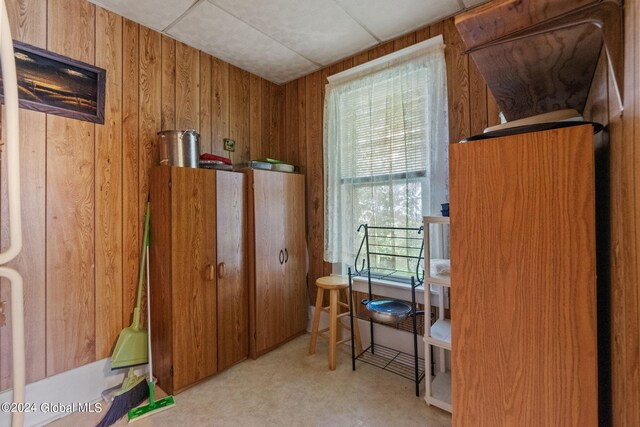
column 539, row 56
column 233, row 297
column 524, row 268
column 183, row 279
column 278, row 302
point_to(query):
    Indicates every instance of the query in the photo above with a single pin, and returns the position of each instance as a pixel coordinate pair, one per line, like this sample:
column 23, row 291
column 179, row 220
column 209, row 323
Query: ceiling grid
column 281, row 40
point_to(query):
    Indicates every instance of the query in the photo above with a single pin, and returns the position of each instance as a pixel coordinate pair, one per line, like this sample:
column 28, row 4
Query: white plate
column 283, row 167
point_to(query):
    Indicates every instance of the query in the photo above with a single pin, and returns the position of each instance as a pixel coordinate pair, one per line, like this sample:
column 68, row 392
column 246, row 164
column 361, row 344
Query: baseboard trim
column 74, row 387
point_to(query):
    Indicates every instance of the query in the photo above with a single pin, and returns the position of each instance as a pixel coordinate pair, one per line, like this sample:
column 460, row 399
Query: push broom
column 130, row 350
column 154, row 406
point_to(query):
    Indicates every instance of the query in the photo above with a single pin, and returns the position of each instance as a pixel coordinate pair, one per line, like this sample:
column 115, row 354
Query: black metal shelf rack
column 388, row 256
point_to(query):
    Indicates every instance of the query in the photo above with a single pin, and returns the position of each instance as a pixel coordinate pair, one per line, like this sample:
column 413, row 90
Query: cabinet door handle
column 281, row 257
column 286, row 253
column 211, row 272
column 221, row 270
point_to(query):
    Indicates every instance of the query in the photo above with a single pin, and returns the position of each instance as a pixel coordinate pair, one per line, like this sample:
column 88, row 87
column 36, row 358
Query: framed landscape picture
column 54, row 84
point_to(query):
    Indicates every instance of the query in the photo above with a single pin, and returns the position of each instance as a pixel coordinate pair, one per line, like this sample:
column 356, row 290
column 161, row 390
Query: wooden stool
column 333, row 284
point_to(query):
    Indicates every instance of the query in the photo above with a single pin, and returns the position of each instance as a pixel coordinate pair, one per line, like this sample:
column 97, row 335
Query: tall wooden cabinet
column 523, row 262
column 277, row 270
column 183, row 280
column 199, row 295
column 233, row 295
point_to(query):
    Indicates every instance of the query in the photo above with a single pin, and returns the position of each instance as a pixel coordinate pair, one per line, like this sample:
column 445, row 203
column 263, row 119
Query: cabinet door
column 523, row 280
column 193, row 215
column 270, row 308
column 295, row 320
column 233, row 335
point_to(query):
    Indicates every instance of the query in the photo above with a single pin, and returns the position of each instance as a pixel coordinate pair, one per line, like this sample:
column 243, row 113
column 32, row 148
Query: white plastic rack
column 437, row 337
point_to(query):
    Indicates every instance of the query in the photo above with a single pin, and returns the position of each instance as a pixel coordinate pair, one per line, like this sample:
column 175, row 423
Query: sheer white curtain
column 385, row 147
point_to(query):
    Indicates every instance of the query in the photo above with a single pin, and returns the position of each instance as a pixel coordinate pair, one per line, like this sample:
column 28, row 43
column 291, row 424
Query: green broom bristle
column 124, row 402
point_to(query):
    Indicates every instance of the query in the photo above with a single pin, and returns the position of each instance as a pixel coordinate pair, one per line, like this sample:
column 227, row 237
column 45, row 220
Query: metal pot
column 390, row 311
column 180, row 148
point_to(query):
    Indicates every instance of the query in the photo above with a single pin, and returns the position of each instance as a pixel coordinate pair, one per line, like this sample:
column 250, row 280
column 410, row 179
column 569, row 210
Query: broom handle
column 145, row 246
column 149, row 319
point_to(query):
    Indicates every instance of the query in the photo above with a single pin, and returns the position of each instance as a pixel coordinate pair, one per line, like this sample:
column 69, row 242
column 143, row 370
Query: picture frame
column 55, row 84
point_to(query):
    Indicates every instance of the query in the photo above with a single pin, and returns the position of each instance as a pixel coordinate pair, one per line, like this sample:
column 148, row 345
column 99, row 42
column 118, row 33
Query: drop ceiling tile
column 209, row 28
column 390, row 18
column 155, row 14
column 472, row 3
column 319, row 30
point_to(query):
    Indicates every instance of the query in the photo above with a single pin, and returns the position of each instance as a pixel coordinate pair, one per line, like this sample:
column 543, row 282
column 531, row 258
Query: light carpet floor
column 288, row 387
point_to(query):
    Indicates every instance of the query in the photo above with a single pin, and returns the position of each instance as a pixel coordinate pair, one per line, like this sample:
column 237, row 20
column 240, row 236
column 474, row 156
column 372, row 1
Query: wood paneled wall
column 84, row 186
column 624, row 184
column 471, row 109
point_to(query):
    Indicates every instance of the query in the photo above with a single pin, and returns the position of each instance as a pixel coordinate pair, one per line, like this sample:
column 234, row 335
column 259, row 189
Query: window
column 385, row 146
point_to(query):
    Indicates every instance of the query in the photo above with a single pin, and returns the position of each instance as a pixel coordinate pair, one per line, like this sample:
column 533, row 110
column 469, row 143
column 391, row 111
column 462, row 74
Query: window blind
column 389, row 128
column 385, row 145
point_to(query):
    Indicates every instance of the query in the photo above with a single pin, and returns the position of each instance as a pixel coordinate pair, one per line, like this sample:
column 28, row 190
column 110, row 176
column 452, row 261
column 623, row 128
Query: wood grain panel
column 168, row 108
column 436, row 29
column 28, row 24
column 206, row 103
column 313, row 177
column 70, row 206
column 625, row 251
column 256, row 134
column 346, row 64
column 597, row 105
column 193, row 293
column 220, row 114
column 295, row 320
column 457, row 83
column 302, row 140
column 149, row 112
column 290, row 134
column 239, row 127
column 503, row 17
column 232, row 286
column 149, row 119
column 187, row 87
column 404, row 41
column 108, row 178
column 251, row 261
column 359, row 58
column 597, row 109
column 527, row 81
column 633, row 302
column 265, row 106
column 31, row 260
column 130, row 213
column 302, row 128
column 161, row 270
column 268, row 221
column 28, row 20
column 276, row 122
column 315, row 193
column 524, row 268
column 493, row 111
column 622, row 274
column 381, row 50
column 477, row 100
column 422, row 34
